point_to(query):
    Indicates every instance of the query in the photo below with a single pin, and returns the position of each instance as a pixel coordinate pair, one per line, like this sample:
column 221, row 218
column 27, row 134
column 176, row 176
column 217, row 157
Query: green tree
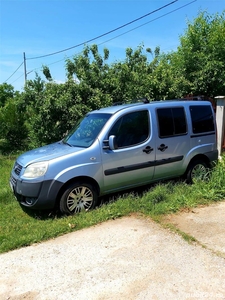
column 47, row 73
column 13, row 132
column 6, row 92
column 51, row 110
column 160, row 77
column 60, row 108
column 91, row 73
column 129, row 79
column 199, row 63
column 47, row 110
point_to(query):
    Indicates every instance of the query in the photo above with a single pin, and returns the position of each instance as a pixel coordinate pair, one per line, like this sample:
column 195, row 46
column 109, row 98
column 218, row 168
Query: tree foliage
column 47, row 73
column 200, row 59
column 45, row 110
column 89, row 71
column 6, row 92
column 129, row 79
column 13, row 131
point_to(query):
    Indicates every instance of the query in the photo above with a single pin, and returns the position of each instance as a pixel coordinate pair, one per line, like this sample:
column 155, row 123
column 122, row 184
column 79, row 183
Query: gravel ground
column 128, row 258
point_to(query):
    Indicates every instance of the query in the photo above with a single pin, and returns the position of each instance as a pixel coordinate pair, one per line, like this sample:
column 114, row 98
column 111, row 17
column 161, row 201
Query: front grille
column 17, row 168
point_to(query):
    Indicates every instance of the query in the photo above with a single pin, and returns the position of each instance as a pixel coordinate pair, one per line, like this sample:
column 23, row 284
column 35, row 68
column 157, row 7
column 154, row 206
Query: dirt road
column 128, row 258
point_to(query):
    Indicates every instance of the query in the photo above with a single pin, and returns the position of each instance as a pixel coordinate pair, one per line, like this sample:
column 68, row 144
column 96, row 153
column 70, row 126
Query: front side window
column 171, row 121
column 202, row 118
column 86, row 131
column 131, row 129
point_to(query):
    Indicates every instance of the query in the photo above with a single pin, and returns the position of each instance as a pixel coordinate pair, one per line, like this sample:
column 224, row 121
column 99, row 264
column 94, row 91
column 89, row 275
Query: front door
column 132, row 162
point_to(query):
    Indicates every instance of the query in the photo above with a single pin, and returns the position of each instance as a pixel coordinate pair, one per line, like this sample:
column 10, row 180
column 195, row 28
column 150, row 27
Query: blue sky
column 41, row 27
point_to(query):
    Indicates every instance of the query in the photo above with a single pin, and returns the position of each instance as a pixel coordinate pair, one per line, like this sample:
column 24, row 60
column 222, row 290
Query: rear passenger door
column 171, row 141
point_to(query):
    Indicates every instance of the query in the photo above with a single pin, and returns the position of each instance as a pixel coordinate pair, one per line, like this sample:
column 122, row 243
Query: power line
column 108, row 33
column 14, row 72
column 148, row 22
column 17, row 78
column 160, row 8
column 172, row 11
column 104, row 34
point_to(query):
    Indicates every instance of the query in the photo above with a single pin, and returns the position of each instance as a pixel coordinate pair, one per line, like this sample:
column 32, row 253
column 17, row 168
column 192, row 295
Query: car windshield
column 86, row 130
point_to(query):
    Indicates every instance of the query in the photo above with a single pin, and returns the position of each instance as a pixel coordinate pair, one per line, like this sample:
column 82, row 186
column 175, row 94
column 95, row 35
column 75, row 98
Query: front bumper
column 35, row 194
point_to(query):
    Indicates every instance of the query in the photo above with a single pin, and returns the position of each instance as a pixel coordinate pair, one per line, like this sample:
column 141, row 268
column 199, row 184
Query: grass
column 188, row 238
column 19, row 228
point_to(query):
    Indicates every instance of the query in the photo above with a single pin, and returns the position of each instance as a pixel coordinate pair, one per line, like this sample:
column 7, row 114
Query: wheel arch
column 74, row 180
column 202, row 157
column 198, row 158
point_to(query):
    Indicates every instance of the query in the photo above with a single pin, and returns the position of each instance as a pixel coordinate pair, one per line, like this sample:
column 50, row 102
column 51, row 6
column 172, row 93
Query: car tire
column 197, row 170
column 77, row 197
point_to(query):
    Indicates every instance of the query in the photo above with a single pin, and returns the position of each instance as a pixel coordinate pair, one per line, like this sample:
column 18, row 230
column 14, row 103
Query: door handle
column 148, row 150
column 162, row 147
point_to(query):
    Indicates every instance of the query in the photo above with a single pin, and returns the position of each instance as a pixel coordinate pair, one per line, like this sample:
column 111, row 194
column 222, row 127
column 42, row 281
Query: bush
column 13, row 132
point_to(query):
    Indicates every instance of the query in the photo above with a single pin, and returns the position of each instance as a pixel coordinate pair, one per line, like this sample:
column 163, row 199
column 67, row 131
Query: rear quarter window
column 202, row 118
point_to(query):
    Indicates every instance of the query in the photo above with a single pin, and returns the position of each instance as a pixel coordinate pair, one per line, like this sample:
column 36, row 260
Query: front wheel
column 78, row 197
column 197, row 170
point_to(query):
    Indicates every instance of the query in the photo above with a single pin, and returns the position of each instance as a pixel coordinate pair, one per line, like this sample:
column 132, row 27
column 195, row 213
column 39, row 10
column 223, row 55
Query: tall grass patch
column 20, row 227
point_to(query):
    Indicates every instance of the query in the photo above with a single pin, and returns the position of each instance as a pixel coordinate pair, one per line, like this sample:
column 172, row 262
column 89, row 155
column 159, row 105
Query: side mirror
column 112, row 142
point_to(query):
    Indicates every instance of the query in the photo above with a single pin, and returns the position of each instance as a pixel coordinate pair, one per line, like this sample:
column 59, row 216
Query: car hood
column 47, row 152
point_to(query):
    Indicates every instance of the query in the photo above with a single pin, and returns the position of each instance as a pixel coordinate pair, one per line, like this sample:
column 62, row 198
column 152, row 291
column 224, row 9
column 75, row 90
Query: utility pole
column 25, row 67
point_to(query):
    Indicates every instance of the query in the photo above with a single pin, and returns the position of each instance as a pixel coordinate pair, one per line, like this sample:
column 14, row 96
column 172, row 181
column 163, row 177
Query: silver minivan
column 118, row 148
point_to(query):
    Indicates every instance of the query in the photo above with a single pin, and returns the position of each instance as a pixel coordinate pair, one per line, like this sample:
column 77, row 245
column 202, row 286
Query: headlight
column 36, row 170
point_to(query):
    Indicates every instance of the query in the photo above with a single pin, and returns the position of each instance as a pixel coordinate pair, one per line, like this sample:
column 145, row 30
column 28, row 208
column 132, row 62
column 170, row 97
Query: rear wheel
column 197, row 170
column 78, row 197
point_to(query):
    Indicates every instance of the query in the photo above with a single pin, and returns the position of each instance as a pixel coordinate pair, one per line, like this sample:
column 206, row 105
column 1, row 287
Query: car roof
column 115, row 108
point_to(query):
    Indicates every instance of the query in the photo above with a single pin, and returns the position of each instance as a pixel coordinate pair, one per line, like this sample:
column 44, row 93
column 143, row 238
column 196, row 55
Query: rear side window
column 202, row 118
column 171, row 121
